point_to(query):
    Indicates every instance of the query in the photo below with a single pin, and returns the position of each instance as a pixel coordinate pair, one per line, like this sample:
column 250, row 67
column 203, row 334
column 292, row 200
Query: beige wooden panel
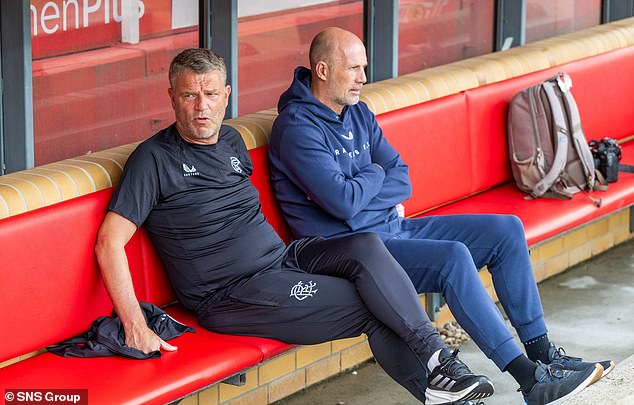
column 376, row 99
column 110, row 168
column 437, row 85
column 49, row 190
column 255, row 132
column 417, row 91
column 81, row 178
column 64, row 182
column 486, row 70
column 12, row 199
column 457, row 78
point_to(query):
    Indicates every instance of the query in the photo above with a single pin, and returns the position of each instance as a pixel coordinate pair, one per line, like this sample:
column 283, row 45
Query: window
column 435, row 32
column 547, row 18
column 100, row 72
column 274, row 38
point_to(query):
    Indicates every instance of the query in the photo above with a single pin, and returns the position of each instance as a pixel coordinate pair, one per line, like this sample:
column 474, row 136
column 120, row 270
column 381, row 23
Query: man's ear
column 321, row 70
column 170, row 91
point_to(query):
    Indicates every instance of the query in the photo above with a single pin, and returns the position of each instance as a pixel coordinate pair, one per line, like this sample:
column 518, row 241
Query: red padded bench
column 457, row 153
column 54, row 291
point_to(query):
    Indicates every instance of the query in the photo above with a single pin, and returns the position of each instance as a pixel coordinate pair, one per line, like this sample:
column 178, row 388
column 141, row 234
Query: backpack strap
column 561, row 143
column 579, row 139
column 626, row 168
column 602, row 183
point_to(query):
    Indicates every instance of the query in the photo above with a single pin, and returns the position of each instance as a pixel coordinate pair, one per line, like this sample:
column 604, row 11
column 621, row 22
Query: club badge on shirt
column 235, row 164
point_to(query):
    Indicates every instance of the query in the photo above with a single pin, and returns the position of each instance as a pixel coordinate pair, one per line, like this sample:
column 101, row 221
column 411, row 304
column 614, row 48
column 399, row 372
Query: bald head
column 328, row 45
column 337, row 64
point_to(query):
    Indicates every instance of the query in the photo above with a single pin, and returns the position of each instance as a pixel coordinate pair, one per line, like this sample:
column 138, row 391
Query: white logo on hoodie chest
column 352, row 154
column 348, row 137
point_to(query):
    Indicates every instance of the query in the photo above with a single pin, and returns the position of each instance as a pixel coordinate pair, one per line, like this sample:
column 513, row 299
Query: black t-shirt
column 200, row 210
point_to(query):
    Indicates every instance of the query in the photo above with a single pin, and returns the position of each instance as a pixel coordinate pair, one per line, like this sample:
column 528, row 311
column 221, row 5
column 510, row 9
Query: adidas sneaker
column 452, row 382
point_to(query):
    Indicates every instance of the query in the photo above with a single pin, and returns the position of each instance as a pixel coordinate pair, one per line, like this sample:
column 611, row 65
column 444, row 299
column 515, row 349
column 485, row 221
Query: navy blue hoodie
column 332, row 175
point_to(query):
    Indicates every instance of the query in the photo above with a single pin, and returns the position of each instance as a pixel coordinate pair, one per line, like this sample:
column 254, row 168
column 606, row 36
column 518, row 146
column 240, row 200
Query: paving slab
column 615, row 388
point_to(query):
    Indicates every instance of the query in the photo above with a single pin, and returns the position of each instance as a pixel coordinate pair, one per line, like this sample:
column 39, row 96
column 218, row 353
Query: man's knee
column 369, row 252
column 506, row 225
column 458, row 253
column 364, row 242
column 507, row 233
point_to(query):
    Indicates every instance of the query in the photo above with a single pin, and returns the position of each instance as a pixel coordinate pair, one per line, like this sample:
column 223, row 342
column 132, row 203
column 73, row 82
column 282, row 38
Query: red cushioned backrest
column 603, row 86
column 488, row 106
column 260, row 178
column 155, row 287
column 50, row 287
column 50, row 284
column 432, row 139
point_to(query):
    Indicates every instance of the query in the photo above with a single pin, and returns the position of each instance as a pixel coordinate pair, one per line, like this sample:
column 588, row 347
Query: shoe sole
column 607, row 371
column 478, row 390
column 598, row 371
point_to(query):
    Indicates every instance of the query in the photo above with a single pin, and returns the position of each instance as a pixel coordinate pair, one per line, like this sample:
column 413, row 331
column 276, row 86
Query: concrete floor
column 589, row 311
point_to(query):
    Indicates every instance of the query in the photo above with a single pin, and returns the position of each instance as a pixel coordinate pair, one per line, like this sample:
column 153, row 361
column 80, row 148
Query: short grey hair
column 196, row 60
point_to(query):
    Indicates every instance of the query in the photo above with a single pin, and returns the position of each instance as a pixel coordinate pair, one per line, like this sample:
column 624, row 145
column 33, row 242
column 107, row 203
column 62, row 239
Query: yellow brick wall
column 287, row 374
column 557, row 254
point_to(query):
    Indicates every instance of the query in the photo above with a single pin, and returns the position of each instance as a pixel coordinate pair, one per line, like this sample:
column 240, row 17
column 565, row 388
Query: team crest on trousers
column 302, row 291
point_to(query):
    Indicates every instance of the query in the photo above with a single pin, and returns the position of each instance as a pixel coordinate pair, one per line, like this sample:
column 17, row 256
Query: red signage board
column 60, row 27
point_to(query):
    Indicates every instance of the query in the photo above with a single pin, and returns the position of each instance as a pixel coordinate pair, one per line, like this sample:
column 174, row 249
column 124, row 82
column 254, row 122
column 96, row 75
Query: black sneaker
column 559, row 356
column 452, row 382
column 556, row 384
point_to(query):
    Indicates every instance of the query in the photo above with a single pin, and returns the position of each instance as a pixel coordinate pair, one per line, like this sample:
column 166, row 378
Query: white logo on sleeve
column 235, row 164
column 302, row 291
column 190, row 171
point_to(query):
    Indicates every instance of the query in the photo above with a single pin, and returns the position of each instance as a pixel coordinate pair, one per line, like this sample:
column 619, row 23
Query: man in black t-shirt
column 189, row 186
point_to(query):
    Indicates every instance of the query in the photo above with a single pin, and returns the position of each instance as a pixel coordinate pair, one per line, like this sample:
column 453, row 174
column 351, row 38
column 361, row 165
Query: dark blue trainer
column 556, row 384
column 559, row 356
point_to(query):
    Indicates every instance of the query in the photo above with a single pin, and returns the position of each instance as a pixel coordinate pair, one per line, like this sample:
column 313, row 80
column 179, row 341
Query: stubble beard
column 206, row 135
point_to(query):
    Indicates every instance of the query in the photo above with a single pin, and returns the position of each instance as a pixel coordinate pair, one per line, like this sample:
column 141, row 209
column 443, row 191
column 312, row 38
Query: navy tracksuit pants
column 443, row 254
column 346, row 286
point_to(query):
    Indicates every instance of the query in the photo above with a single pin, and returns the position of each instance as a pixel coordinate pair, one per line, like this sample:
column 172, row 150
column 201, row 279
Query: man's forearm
column 116, row 276
column 114, row 234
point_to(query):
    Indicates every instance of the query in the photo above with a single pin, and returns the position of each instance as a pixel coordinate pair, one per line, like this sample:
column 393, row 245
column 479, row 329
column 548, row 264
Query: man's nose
column 200, row 103
column 362, row 77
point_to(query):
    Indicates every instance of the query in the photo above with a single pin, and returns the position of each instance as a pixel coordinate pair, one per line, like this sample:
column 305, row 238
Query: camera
column 606, row 154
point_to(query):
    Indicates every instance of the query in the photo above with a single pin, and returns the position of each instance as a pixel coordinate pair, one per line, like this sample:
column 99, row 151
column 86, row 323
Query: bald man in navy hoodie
column 335, row 174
